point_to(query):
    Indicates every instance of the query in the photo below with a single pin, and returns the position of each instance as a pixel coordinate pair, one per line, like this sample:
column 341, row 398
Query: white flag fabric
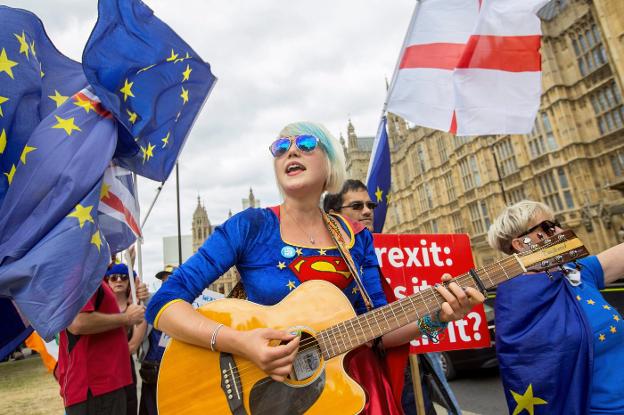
column 471, row 67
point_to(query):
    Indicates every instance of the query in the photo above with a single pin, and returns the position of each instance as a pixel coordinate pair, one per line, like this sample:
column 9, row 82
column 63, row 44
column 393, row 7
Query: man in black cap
column 151, row 353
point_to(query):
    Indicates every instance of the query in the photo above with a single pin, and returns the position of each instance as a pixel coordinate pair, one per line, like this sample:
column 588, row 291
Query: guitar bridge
column 231, row 385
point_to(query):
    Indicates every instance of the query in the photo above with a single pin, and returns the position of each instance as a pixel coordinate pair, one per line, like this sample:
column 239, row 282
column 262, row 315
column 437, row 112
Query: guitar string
column 427, row 295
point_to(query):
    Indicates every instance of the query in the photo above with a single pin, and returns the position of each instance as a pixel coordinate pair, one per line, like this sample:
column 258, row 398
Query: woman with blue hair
column 275, row 250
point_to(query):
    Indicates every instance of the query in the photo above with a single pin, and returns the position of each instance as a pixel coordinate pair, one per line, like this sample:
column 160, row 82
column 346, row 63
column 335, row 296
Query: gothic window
column 515, row 195
column 550, row 137
column 617, row 163
column 479, row 217
column 450, row 187
column 555, row 189
column 506, row 157
column 607, row 104
column 589, row 50
column 422, row 157
column 458, row 223
column 469, row 172
column 442, row 151
column 536, row 142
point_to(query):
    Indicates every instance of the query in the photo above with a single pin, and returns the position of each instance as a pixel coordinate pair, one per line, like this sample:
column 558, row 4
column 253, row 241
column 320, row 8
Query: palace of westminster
column 573, row 160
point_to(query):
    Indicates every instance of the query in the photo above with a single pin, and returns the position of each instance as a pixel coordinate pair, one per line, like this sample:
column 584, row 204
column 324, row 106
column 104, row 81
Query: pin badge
column 288, row 251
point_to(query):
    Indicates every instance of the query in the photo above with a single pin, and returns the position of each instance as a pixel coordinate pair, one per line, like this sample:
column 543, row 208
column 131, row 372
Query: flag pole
column 178, row 203
column 131, row 277
column 139, row 241
column 149, row 210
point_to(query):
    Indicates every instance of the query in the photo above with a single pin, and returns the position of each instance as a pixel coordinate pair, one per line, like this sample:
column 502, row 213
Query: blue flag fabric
column 378, row 180
column 539, row 342
column 52, row 253
column 35, row 79
column 153, row 82
column 13, row 328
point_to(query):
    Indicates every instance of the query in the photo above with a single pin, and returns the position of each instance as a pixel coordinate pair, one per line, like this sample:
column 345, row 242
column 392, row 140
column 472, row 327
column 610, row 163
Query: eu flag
column 379, row 178
column 153, row 82
column 539, row 341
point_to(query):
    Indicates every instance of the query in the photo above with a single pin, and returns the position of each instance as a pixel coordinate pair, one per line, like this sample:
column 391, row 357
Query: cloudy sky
column 277, row 61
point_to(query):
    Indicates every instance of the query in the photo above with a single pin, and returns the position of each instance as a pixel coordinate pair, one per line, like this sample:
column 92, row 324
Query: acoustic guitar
column 193, row 380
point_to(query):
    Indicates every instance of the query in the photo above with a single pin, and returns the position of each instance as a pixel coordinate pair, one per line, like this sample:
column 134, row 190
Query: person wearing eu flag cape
column 277, row 249
column 559, row 343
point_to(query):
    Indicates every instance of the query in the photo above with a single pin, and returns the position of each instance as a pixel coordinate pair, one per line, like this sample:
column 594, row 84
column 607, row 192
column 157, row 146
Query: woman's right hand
column 271, row 350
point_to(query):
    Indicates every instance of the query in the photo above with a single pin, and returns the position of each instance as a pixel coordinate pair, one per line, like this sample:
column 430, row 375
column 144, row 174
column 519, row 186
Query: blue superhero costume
column 270, row 268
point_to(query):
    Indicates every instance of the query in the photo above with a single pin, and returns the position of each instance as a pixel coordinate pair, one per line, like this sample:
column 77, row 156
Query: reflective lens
column 360, row 205
column 548, row 226
column 117, row 277
column 305, row 143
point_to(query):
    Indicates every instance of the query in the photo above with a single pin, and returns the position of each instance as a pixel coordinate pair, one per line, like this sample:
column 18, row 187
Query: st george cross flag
column 152, row 81
column 471, row 67
column 378, row 179
column 118, row 210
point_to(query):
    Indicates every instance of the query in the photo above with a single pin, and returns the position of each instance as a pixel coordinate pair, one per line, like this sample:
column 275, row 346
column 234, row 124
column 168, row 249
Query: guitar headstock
column 553, row 252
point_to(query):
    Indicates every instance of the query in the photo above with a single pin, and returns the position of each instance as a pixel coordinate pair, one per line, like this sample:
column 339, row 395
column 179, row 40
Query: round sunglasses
column 117, row 277
column 305, row 143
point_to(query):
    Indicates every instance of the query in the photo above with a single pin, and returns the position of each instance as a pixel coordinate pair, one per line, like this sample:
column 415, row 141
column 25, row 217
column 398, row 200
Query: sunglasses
column 548, row 226
column 360, row 205
column 117, row 277
column 305, row 143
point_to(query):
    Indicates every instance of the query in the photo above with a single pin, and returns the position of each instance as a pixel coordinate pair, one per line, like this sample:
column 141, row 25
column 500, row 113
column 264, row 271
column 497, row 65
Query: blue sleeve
column 220, row 252
column 592, row 270
column 371, row 277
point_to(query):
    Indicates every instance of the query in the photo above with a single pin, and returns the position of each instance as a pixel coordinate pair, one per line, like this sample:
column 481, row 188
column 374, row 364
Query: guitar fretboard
column 352, row 333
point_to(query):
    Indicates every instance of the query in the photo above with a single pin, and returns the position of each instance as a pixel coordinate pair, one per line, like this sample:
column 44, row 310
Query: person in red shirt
column 94, row 360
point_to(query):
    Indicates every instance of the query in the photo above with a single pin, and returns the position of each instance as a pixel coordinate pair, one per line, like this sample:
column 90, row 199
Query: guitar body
column 193, row 380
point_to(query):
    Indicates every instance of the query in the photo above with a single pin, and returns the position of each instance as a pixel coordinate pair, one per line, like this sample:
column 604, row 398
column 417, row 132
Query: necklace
column 310, row 238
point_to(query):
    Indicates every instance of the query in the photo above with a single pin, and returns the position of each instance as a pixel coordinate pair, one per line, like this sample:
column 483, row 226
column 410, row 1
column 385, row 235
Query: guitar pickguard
column 269, row 397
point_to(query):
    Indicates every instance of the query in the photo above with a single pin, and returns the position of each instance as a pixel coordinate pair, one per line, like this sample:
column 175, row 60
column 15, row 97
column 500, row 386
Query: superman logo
column 322, row 267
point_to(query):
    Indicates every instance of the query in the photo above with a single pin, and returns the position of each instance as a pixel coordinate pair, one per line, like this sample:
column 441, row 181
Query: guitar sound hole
column 308, row 359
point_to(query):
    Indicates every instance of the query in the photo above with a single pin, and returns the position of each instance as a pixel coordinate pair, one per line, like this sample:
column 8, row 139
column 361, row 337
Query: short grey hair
column 514, row 221
column 331, row 148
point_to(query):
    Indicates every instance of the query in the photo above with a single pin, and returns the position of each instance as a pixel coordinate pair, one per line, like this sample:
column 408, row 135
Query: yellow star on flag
column 96, row 240
column 322, row 251
column 612, row 329
column 58, row 98
column 148, row 152
column 281, row 265
column 290, row 285
column 32, row 48
column 602, row 337
column 6, row 64
column 173, row 56
column 184, row 95
column 591, row 302
column 24, row 48
column 132, row 116
column 82, row 213
column 2, row 101
column 3, row 141
column 186, row 73
column 85, row 104
column 104, row 190
column 578, row 297
column 166, row 140
column 299, row 251
column 616, row 317
column 379, row 194
column 127, row 89
column 354, row 290
column 10, row 174
column 526, row 401
column 27, row 149
column 66, row 124
column 606, row 307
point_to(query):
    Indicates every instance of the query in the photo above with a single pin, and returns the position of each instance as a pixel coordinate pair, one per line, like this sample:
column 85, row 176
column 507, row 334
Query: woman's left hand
column 459, row 301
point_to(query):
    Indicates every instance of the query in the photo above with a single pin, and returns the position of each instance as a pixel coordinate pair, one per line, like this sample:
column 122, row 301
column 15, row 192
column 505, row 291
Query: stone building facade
column 202, row 229
column 573, row 160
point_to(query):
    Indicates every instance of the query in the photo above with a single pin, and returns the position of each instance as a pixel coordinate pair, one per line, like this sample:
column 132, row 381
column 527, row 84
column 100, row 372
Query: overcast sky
column 277, row 61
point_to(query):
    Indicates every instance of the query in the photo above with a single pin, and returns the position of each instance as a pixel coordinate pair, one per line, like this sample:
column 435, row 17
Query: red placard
column 411, row 263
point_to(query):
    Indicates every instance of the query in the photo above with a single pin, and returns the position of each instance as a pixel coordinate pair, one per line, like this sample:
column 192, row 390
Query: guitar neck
column 359, row 330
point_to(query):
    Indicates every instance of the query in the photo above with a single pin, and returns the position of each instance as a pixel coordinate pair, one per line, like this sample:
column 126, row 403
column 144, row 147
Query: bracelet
column 213, row 339
column 431, row 329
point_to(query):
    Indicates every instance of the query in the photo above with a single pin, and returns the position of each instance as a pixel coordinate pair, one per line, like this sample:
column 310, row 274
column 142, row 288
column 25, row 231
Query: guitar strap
column 334, row 230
